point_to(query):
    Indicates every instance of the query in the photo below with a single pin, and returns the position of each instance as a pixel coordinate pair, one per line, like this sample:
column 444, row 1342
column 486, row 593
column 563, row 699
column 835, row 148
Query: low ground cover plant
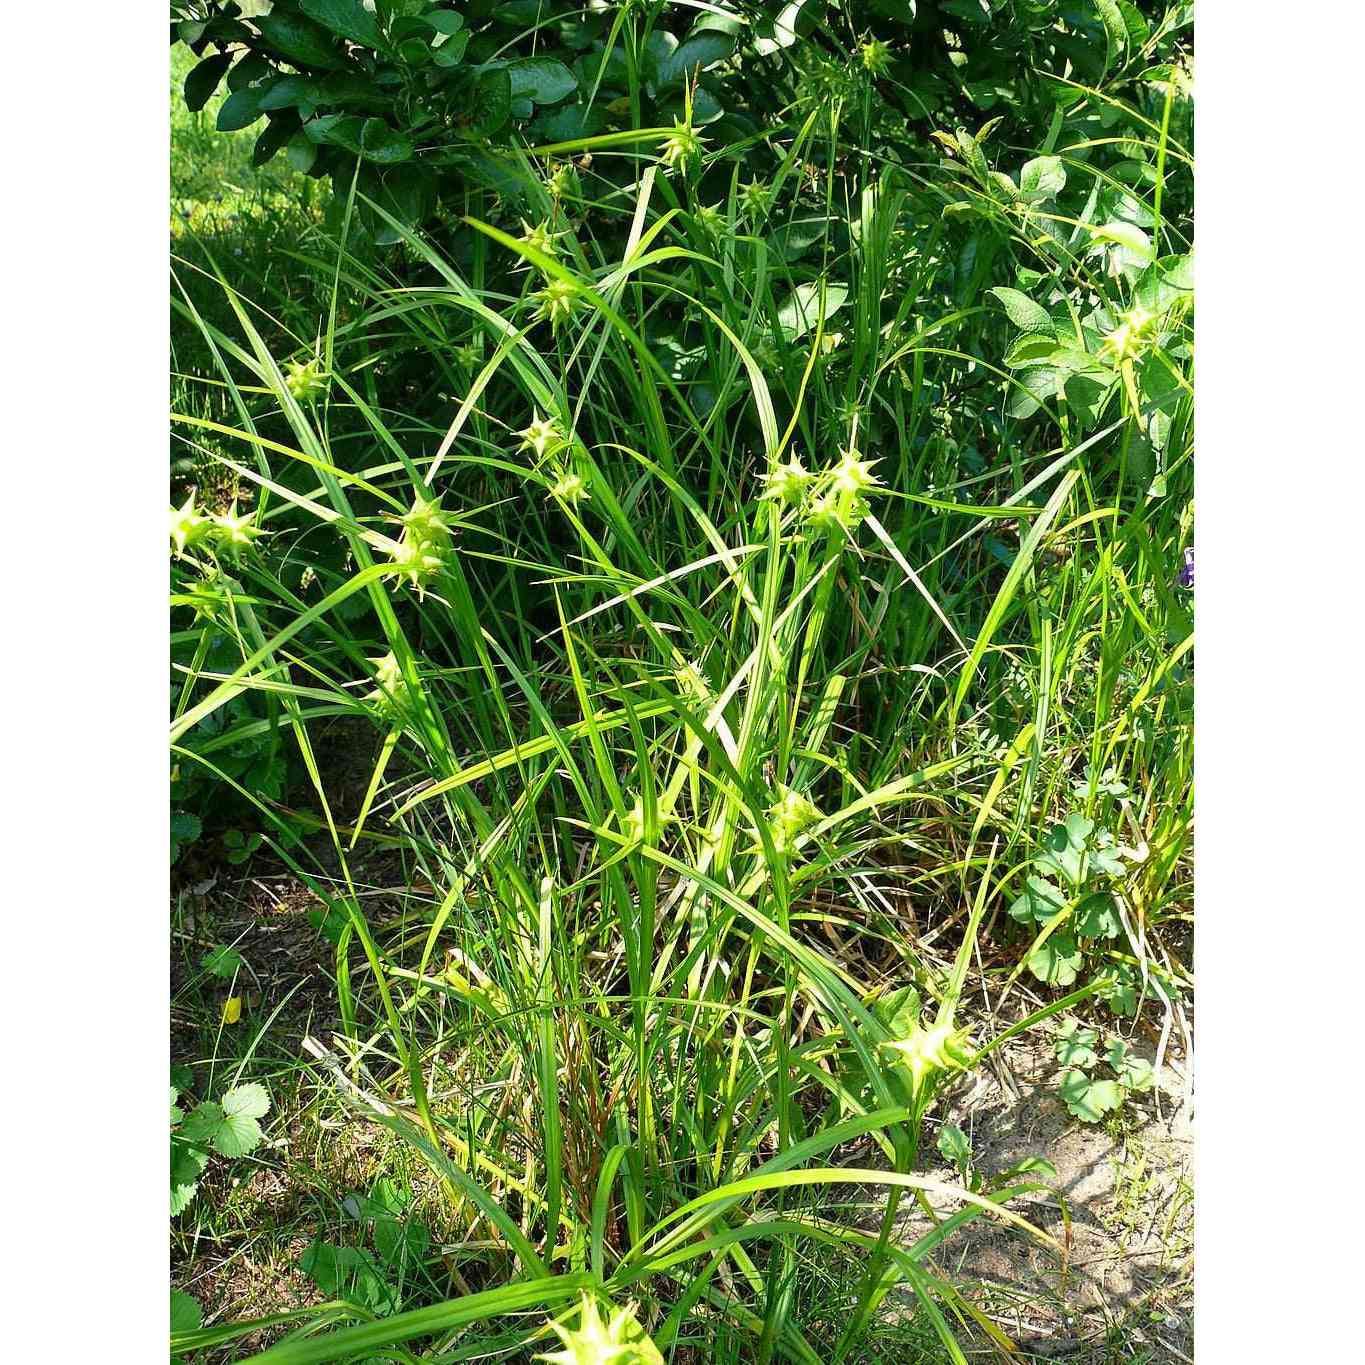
column 682, row 606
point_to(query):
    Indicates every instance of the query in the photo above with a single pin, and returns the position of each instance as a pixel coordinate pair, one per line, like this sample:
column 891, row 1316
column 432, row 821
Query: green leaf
column 1133, row 1072
column 899, row 1011
column 382, row 144
column 187, row 1165
column 699, row 51
column 277, row 132
column 240, row 110
column 1089, row 1100
column 1037, row 902
column 490, row 105
column 299, row 92
column 1023, row 312
column 801, row 311
column 340, row 130
column 1115, row 30
column 1042, row 178
column 1096, row 917
column 451, row 52
column 222, row 961
column 1029, row 349
column 347, row 19
column 250, row 1101
column 203, row 80
column 542, row 79
column 186, row 1314
column 572, row 121
column 230, row 1128
column 954, row 1147
column 1040, row 383
column 1057, row 960
column 347, row 1273
column 1130, row 238
column 301, row 152
column 1120, row 989
column 444, row 21
column 1075, row 1046
column 299, row 41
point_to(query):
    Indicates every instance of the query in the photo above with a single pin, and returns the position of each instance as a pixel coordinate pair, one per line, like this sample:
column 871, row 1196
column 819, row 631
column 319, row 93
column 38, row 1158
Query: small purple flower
column 1186, row 575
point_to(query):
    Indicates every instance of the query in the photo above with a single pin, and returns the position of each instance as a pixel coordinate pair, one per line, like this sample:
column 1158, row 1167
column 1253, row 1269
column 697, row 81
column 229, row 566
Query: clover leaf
column 1089, row 1100
column 1056, row 961
column 1097, row 916
column 1134, row 1073
column 1119, row 990
column 1037, row 902
column 1075, row 1046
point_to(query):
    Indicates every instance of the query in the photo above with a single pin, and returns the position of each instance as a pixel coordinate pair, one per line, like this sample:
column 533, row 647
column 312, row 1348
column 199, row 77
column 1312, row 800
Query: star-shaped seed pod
column 542, row 437
column 619, row 1341
column 188, row 527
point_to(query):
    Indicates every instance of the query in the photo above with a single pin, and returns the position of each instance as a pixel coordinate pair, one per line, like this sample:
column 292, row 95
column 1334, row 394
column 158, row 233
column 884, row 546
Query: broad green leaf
column 1075, row 1046
column 301, row 152
column 1096, row 916
column 801, row 311
column 347, row 19
column 1023, row 312
column 1123, row 234
column 444, row 21
column 1115, row 30
column 693, row 54
column 1056, row 960
column 451, row 52
column 1089, row 1100
column 1029, row 349
column 240, row 110
column 1037, row 902
column 349, row 1273
column 186, row 1314
column 1133, row 1072
column 1042, row 178
column 380, row 143
column 222, row 961
column 542, row 79
column 299, row 40
column 953, row 1145
column 250, row 1100
column 203, row 80
column 230, row 1128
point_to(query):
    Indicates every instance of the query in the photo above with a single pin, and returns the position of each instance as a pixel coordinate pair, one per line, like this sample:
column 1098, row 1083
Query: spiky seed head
column 754, row 199
column 928, row 1051
column 875, row 56
column 305, row 381
column 562, row 180
column 540, row 238
column 426, row 524
column 188, row 527
column 570, row 487
column 391, row 695
column 787, row 482
column 619, row 1341
column 543, row 437
column 418, row 562
column 233, row 532
column 790, row 816
column 558, row 300
column 712, row 219
column 682, row 145
column 852, row 477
